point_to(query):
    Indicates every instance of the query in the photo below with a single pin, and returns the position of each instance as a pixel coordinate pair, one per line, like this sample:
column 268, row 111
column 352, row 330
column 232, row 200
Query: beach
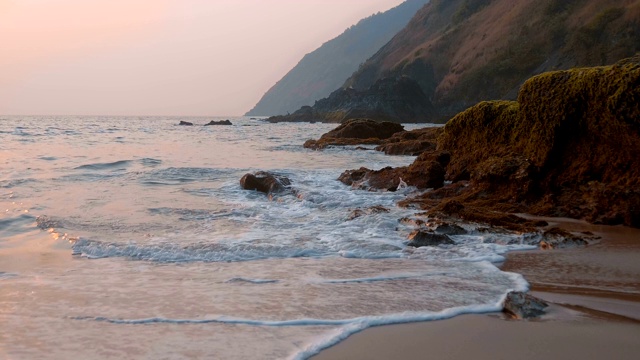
column 594, row 294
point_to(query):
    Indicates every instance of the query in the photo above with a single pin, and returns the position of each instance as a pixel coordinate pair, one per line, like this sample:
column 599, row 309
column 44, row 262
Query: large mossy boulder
column 570, row 145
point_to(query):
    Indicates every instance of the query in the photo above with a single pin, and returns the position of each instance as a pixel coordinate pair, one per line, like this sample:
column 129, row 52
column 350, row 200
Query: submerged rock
column 523, row 306
column 185, row 123
column 221, row 122
column 368, row 211
column 265, row 182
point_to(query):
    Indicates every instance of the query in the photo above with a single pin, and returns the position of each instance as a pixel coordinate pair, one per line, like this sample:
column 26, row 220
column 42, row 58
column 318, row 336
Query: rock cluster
column 569, row 147
column 427, row 171
column 221, row 122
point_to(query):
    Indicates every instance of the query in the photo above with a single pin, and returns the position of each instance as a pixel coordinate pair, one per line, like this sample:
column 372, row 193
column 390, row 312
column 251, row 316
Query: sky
column 158, row 57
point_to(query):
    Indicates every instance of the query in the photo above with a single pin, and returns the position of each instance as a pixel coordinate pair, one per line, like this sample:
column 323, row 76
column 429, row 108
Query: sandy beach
column 594, row 314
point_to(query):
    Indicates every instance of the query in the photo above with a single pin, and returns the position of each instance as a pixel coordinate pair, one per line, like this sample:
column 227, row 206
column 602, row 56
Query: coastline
column 594, row 294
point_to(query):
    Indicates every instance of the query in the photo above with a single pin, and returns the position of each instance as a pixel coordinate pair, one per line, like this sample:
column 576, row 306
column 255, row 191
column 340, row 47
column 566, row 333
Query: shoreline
column 594, row 296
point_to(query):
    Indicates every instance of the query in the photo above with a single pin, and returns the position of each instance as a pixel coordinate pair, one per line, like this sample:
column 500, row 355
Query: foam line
column 382, row 278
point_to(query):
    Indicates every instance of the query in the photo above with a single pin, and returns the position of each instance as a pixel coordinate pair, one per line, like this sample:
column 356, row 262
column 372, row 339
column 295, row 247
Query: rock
column 420, row 238
column 221, row 122
column 556, row 238
column 364, row 129
column 185, row 123
column 265, row 182
column 369, row 211
column 523, row 306
column 426, row 172
column 350, row 177
column 356, row 132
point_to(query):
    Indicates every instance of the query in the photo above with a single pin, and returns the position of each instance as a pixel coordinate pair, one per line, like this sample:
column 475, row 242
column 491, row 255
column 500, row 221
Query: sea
column 131, row 238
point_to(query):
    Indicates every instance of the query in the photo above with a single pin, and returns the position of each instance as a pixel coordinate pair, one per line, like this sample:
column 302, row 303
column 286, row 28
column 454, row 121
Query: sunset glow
column 158, row 57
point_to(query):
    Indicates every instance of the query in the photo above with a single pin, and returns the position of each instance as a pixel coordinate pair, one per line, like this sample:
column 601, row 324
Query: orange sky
column 158, row 57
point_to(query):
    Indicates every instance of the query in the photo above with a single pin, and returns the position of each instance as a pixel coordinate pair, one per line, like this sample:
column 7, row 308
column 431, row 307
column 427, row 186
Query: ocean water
column 130, row 237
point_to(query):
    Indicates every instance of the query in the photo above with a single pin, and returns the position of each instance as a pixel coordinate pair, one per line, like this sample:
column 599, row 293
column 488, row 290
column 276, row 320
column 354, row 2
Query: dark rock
column 426, row 172
column 556, row 238
column 185, row 123
column 356, row 132
column 523, row 306
column 364, row 129
column 221, row 122
column 350, row 177
column 420, row 238
column 265, row 182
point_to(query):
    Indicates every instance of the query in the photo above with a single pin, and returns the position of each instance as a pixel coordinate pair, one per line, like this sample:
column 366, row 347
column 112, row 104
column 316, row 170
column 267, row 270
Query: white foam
column 345, row 327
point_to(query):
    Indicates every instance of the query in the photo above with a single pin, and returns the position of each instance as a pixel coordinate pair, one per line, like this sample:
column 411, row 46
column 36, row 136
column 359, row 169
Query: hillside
column 461, row 52
column 325, row 69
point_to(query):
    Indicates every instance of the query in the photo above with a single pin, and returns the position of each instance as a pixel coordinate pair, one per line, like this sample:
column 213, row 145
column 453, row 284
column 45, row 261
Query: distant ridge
column 325, row 69
column 460, row 52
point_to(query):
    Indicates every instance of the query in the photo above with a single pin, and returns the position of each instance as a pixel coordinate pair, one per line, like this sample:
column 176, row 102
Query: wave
column 16, row 225
column 8, row 184
column 345, row 327
column 252, row 281
column 177, row 176
column 200, row 252
column 120, row 164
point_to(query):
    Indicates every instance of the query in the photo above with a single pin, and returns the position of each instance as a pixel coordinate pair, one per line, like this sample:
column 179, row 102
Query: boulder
column 420, row 238
column 265, row 182
column 520, row 305
column 221, row 122
column 185, row 123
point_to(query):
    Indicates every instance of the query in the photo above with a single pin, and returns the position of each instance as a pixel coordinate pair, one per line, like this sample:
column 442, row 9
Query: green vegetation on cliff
column 465, row 51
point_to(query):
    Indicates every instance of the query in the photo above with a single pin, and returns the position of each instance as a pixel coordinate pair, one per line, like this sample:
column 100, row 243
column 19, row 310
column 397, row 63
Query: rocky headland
column 569, row 147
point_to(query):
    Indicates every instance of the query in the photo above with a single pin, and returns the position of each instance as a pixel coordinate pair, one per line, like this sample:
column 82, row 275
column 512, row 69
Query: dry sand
column 595, row 312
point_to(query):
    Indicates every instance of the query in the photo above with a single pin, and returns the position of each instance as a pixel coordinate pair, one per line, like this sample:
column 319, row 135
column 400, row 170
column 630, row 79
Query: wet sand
column 594, row 314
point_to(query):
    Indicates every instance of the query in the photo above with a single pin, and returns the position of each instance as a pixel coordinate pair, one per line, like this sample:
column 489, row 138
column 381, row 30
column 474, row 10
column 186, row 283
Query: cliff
column 325, row 69
column 460, row 52
column 570, row 147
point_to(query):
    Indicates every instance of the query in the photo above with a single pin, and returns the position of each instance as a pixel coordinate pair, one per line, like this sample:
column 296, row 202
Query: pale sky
column 158, row 57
